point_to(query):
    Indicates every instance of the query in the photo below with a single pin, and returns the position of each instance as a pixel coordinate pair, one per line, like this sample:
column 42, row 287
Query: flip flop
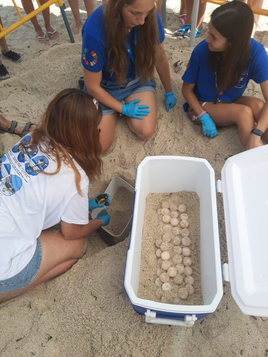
column 53, row 35
column 42, row 39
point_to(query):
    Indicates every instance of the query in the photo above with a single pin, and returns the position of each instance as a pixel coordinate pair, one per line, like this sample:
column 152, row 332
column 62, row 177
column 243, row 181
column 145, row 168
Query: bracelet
column 257, row 132
column 203, row 113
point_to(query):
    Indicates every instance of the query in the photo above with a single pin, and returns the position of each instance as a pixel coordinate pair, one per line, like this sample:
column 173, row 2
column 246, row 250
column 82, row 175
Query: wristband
column 203, row 113
column 257, row 132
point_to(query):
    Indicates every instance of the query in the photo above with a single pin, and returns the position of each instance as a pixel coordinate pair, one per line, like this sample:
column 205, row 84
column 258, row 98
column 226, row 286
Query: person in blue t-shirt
column 122, row 45
column 219, row 71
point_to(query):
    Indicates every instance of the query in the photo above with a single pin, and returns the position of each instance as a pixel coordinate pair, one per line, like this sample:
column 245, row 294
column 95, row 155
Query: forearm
column 191, row 98
column 163, row 71
column 75, row 231
column 94, row 89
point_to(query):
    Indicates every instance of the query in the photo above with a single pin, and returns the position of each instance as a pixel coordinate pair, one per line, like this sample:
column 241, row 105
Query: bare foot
column 76, row 28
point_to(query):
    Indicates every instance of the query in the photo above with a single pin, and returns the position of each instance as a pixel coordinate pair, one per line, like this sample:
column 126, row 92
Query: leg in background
column 52, row 34
column 3, row 44
column 74, row 5
column 201, row 13
column 28, row 7
column 256, row 3
column 89, row 5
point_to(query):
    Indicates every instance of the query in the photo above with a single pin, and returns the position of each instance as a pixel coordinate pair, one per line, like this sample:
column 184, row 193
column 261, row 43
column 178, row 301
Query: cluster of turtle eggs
column 173, row 253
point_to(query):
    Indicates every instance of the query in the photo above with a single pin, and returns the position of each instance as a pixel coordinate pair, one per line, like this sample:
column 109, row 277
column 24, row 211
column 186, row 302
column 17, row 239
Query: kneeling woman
column 218, row 74
column 122, row 44
column 44, row 180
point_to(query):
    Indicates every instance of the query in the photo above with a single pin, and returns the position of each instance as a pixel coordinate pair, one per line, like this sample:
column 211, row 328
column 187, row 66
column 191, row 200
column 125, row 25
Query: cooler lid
column 245, row 198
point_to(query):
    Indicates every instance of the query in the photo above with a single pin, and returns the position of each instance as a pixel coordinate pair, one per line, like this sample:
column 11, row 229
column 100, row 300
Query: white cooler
column 244, row 187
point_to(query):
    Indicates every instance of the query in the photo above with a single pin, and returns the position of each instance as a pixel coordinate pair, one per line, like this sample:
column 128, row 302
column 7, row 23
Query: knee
column 245, row 115
column 258, row 106
column 145, row 133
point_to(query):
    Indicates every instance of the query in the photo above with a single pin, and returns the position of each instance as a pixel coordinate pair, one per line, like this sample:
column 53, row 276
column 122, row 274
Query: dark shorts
column 26, row 276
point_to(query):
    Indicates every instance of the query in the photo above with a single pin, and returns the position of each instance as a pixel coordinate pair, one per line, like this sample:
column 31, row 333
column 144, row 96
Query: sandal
column 197, row 33
column 53, row 35
column 25, row 129
column 13, row 56
column 183, row 30
column 3, row 72
column 13, row 126
column 42, row 39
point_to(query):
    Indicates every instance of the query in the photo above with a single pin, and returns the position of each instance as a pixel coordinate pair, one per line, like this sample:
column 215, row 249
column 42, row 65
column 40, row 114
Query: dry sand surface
column 86, row 312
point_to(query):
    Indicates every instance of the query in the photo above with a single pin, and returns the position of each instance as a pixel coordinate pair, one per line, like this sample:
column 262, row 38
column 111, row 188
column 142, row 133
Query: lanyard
column 129, row 51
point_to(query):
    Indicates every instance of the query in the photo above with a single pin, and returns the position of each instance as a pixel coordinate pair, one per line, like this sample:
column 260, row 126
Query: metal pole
column 66, row 22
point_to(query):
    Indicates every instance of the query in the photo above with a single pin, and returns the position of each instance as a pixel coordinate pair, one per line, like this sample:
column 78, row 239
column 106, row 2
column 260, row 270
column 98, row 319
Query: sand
column 86, row 312
column 120, row 210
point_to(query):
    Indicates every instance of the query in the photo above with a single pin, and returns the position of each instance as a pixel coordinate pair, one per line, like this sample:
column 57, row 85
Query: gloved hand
column 208, row 125
column 170, row 100
column 104, row 216
column 92, row 204
column 135, row 111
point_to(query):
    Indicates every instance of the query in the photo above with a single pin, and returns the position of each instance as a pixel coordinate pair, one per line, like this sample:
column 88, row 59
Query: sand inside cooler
column 120, row 211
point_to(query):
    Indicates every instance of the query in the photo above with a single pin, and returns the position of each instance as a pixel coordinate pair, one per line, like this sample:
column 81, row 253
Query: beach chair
column 23, row 19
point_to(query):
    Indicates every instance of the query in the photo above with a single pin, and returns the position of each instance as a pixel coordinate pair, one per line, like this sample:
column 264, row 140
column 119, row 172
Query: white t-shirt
column 31, row 201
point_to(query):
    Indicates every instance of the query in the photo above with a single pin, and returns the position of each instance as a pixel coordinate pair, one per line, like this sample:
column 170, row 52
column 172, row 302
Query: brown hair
column 116, row 40
column 71, row 125
column 234, row 21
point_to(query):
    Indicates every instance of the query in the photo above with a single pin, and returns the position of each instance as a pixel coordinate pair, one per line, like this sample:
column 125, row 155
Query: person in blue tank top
column 122, row 45
column 218, row 73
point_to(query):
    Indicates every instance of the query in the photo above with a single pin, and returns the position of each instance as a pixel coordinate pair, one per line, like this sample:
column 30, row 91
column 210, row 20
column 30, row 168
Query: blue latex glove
column 135, row 111
column 208, row 125
column 170, row 100
column 104, row 216
column 92, row 204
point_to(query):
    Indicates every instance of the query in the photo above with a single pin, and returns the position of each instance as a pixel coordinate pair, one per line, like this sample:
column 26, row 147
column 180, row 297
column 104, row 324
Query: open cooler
column 245, row 196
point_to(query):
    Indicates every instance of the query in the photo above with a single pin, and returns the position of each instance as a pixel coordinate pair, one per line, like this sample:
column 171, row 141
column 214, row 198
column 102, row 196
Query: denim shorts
column 26, row 276
column 121, row 93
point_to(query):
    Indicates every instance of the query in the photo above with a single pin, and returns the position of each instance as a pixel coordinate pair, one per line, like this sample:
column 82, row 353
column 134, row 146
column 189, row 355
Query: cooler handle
column 150, row 317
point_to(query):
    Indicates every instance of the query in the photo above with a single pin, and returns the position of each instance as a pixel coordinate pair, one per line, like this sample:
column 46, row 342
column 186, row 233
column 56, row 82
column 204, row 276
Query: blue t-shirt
column 94, row 52
column 205, row 80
